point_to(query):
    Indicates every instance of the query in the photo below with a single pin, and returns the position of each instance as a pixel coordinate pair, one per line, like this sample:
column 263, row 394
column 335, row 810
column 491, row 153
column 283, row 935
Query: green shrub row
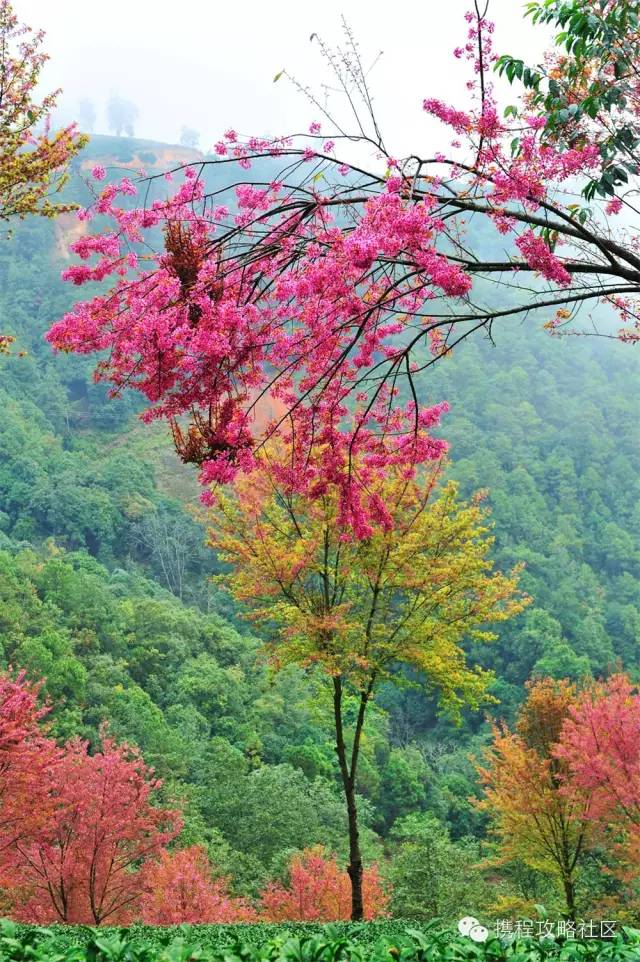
column 297, row 942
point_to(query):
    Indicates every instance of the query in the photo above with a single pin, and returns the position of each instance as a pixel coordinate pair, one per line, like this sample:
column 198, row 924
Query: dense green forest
column 105, row 585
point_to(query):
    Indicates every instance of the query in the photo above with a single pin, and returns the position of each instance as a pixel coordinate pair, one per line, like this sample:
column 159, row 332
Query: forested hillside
column 105, row 591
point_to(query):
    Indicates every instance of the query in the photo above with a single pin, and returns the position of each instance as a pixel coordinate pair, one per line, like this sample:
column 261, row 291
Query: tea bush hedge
column 389, row 941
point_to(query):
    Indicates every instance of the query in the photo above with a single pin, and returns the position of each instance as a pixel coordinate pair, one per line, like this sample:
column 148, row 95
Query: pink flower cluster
column 539, row 256
column 188, row 332
column 300, row 297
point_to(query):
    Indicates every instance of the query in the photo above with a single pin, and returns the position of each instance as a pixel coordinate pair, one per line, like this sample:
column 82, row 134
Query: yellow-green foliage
column 411, row 594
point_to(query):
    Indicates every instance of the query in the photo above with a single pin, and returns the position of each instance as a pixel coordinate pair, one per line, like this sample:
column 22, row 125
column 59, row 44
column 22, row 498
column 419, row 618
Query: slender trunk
column 348, row 775
column 568, row 861
column 354, row 867
column 570, row 897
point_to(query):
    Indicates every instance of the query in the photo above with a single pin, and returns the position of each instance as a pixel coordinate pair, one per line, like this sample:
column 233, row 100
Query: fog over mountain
column 208, row 66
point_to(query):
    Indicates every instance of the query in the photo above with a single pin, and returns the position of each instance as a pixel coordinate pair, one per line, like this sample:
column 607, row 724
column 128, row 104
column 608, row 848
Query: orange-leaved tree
column 536, row 818
column 319, row 890
column 180, row 888
column 34, row 159
column 357, row 608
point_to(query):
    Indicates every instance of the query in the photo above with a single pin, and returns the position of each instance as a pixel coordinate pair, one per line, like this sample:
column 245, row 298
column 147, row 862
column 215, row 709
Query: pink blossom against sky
column 210, row 64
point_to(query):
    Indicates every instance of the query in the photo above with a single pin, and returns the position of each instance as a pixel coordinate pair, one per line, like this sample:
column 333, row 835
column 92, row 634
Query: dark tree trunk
column 570, row 897
column 354, row 867
column 348, row 775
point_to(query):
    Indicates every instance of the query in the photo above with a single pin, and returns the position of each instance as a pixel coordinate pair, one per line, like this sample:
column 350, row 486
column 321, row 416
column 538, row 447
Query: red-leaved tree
column 600, row 747
column 28, row 759
column 320, row 891
column 84, row 865
column 180, row 887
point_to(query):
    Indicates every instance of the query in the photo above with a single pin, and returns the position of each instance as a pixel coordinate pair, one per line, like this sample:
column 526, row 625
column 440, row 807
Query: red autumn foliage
column 26, row 754
column 180, row 888
column 600, row 746
column 320, row 891
column 83, row 865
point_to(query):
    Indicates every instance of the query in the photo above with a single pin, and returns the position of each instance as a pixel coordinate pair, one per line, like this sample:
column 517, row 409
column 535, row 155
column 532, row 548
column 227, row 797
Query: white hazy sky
column 210, row 65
